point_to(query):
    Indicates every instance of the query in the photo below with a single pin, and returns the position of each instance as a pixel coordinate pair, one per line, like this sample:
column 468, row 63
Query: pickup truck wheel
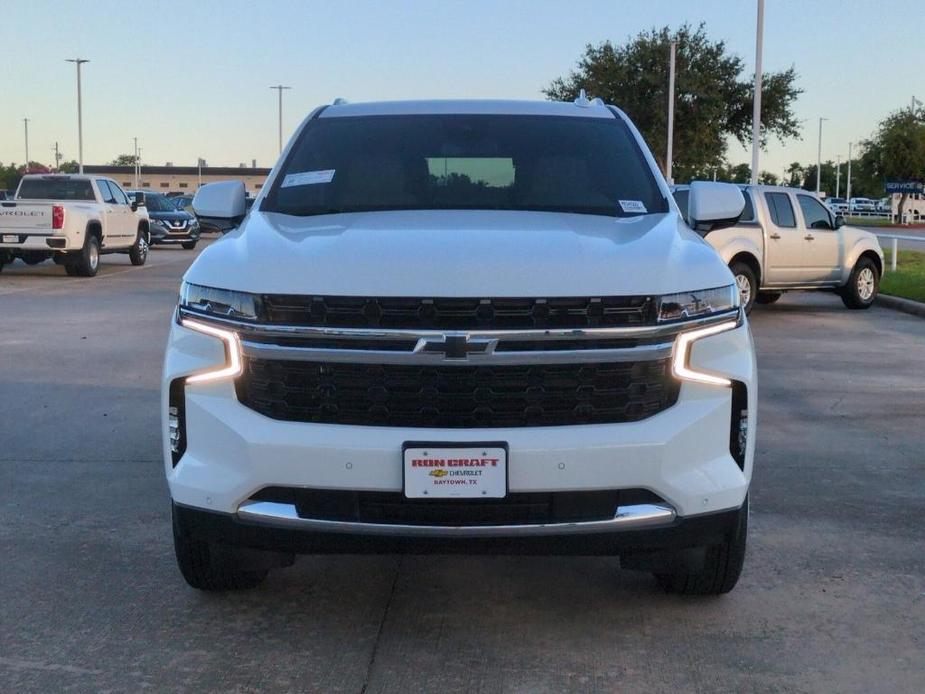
column 863, row 284
column 188, row 245
column 721, row 568
column 747, row 284
column 138, row 253
column 203, row 571
column 87, row 262
column 768, row 297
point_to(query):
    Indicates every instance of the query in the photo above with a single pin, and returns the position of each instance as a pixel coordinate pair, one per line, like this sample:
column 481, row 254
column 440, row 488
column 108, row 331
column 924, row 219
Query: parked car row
column 858, row 206
column 74, row 219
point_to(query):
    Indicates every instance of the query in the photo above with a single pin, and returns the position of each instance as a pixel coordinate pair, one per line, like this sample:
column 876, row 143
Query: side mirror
column 714, row 205
column 220, row 204
column 839, row 221
column 134, row 206
column 139, row 199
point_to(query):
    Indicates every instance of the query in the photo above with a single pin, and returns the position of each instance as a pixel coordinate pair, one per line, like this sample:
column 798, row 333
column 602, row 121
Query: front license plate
column 10, row 238
column 443, row 471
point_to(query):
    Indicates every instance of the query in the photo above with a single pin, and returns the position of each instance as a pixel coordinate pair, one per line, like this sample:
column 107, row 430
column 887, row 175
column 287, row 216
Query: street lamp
column 837, row 175
column 756, row 111
column 80, row 127
column 279, row 88
column 819, row 159
column 669, row 154
column 25, row 122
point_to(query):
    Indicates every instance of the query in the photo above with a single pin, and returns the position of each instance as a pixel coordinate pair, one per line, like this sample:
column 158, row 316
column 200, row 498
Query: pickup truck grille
column 457, row 314
column 456, row 396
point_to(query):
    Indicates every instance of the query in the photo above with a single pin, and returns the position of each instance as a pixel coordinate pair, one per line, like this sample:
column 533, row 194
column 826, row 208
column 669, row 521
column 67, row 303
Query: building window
column 126, row 184
column 258, row 186
column 145, row 184
column 184, row 185
column 165, row 185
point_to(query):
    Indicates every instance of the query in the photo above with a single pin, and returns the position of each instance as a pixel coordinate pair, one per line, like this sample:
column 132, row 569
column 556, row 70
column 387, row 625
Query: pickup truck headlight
column 221, row 303
column 697, row 304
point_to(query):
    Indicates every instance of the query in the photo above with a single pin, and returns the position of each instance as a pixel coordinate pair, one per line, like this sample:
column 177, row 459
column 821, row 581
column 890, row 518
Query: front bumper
column 681, row 455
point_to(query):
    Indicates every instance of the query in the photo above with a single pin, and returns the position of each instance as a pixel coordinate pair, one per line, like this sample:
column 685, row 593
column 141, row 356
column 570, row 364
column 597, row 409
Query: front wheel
column 863, row 285
column 746, row 283
column 138, row 253
column 203, row 570
column 722, row 565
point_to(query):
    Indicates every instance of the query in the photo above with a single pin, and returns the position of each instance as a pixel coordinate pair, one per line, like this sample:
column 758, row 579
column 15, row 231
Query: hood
column 172, row 216
column 460, row 254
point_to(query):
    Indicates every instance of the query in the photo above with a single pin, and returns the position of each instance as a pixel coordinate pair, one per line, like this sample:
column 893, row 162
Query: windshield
column 488, row 162
column 55, row 189
column 159, row 203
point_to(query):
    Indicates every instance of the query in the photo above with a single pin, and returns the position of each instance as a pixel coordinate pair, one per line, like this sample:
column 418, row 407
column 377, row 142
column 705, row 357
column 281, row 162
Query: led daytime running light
column 679, row 362
column 233, row 367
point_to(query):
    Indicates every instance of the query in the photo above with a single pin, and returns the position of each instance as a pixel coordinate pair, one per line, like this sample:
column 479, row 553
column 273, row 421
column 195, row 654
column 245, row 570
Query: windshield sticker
column 633, row 206
column 308, row 178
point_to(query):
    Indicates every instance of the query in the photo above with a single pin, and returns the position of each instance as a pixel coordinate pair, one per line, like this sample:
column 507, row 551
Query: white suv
column 472, row 326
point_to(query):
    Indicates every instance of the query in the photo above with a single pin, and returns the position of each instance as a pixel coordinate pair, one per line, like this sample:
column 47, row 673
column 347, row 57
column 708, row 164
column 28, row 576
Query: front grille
column 514, row 509
column 456, row 396
column 457, row 314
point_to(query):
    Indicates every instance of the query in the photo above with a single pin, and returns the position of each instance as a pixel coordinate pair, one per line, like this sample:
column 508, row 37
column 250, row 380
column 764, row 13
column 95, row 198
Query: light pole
column 199, row 167
column 136, row 162
column 837, row 175
column 57, row 158
column 669, row 154
column 25, row 122
column 756, row 111
column 279, row 88
column 80, row 126
column 848, row 189
column 819, row 159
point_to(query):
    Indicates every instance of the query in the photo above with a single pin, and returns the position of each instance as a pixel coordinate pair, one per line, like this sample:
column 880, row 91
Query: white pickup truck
column 71, row 219
column 786, row 239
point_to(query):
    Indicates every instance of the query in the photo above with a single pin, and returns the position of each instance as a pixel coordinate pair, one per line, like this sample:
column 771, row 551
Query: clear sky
column 192, row 79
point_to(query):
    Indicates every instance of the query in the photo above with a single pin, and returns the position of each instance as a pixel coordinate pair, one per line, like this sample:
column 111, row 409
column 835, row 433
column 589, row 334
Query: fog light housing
column 176, row 420
column 738, row 430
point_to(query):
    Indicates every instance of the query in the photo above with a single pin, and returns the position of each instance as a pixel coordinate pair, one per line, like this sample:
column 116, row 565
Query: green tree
column 124, row 160
column 897, row 150
column 713, row 98
column 767, row 178
column 69, row 167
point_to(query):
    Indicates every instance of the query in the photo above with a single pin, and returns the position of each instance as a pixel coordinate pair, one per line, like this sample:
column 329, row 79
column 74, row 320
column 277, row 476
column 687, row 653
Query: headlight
column 222, row 303
column 698, row 303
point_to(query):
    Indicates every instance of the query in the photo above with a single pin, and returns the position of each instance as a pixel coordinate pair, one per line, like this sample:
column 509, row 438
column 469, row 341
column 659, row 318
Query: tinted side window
column 121, row 198
column 105, row 191
column 681, row 197
column 781, row 210
column 815, row 214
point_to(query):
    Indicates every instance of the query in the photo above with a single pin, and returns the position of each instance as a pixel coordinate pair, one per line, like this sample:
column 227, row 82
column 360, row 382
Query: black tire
column 203, row 571
column 863, row 285
column 743, row 272
column 138, row 253
column 87, row 262
column 188, row 245
column 721, row 568
column 768, row 297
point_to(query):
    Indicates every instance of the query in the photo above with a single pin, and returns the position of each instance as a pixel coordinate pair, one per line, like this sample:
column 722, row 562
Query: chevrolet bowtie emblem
column 455, row 345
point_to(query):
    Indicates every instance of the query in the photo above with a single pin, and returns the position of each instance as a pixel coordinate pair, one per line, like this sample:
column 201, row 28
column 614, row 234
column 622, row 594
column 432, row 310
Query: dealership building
column 181, row 179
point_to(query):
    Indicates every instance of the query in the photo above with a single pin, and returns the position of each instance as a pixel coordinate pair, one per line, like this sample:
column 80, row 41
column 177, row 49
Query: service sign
column 904, row 186
column 456, row 472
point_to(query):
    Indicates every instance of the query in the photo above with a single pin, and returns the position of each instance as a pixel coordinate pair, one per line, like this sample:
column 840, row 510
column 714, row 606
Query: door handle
column 775, row 236
column 809, row 237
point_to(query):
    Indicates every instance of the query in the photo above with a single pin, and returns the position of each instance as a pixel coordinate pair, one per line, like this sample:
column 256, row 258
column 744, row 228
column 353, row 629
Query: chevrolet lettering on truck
column 461, row 326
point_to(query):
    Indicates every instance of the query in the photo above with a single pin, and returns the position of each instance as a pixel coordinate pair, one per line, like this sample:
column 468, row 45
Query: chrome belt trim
column 246, row 329
column 625, row 518
column 261, row 350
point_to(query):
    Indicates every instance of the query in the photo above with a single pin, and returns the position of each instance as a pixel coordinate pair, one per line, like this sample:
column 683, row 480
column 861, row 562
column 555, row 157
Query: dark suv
column 167, row 223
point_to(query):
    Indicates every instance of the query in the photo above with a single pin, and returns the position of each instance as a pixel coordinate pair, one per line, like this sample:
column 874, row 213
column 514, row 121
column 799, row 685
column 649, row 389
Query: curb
column 916, row 308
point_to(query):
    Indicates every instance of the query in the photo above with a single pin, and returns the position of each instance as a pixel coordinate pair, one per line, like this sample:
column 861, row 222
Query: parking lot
column 832, row 598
